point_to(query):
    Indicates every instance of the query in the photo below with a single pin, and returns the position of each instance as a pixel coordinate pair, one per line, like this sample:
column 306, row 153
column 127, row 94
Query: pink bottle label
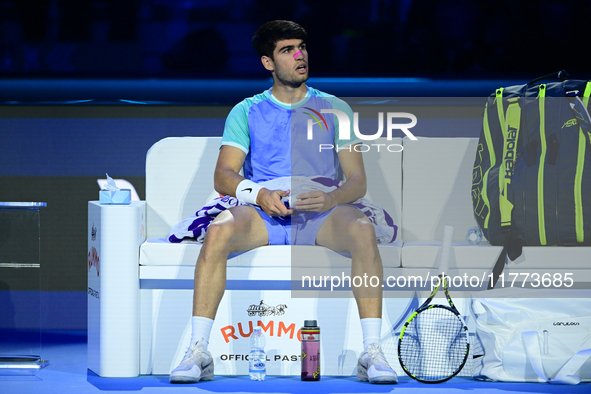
column 310, row 354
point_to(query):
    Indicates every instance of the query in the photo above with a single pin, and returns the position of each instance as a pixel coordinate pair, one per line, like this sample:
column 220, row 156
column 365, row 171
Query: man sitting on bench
column 257, row 139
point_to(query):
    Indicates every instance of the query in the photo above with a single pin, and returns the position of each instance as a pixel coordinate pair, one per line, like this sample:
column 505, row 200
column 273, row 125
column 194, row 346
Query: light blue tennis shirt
column 282, row 139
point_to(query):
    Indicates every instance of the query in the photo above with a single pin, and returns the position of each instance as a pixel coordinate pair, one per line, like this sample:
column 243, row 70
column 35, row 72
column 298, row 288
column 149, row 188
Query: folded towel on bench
column 193, row 228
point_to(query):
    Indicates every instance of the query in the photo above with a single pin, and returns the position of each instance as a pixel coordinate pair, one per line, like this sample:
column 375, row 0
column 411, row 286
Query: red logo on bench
column 93, row 260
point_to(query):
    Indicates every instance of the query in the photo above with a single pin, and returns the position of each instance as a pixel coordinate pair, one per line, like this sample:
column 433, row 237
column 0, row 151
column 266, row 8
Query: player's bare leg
column 235, row 230
column 347, row 230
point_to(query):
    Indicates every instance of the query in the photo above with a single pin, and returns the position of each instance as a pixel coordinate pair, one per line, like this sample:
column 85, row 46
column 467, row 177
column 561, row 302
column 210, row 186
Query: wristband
column 248, row 191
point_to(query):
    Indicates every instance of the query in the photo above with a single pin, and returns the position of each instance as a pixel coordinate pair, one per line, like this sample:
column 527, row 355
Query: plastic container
column 310, row 334
column 257, row 358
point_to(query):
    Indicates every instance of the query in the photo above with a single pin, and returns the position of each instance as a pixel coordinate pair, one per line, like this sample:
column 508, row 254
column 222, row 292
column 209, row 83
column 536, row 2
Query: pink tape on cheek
column 296, row 54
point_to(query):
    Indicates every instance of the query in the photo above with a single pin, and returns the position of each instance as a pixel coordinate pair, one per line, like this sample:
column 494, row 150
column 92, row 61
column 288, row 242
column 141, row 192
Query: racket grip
column 448, row 235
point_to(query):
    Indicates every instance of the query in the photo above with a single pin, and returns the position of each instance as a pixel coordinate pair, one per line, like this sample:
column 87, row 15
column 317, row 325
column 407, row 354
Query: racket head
column 434, row 344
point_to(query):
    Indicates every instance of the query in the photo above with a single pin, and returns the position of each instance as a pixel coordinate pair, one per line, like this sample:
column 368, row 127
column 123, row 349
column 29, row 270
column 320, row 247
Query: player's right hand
column 270, row 202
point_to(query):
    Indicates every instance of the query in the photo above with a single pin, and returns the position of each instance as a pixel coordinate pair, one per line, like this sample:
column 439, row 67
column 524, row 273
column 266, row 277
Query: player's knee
column 362, row 228
column 218, row 234
column 215, row 245
column 363, row 235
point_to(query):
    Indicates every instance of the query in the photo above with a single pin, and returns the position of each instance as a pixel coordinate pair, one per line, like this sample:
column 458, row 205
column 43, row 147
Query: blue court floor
column 67, row 374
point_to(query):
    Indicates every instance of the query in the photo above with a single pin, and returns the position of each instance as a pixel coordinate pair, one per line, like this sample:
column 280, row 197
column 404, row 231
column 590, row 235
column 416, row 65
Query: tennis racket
column 434, row 342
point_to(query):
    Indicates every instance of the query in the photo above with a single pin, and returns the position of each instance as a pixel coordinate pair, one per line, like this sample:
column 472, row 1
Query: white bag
column 534, row 339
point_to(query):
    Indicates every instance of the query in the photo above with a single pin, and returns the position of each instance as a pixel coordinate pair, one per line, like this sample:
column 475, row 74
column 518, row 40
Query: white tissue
column 111, row 184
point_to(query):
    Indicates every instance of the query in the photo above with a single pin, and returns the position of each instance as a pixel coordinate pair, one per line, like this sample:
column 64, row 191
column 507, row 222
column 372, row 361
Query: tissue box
column 115, row 197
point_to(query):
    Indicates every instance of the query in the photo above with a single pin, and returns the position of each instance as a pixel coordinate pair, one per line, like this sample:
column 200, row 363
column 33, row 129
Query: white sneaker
column 196, row 365
column 373, row 367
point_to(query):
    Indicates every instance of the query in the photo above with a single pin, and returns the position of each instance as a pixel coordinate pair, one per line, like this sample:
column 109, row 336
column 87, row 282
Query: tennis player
column 257, row 139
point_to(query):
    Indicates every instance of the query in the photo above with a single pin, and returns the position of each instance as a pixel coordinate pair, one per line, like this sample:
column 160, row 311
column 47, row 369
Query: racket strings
column 434, row 345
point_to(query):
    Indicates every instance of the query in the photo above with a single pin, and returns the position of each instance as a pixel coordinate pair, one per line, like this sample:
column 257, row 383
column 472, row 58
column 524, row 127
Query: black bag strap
column 563, row 75
column 512, row 249
column 498, row 268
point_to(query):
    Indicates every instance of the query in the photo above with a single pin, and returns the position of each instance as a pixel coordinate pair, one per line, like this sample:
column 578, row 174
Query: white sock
column 371, row 329
column 200, row 330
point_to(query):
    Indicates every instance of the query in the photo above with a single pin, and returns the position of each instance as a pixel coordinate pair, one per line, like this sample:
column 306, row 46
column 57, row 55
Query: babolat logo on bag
column 510, row 151
column 566, row 323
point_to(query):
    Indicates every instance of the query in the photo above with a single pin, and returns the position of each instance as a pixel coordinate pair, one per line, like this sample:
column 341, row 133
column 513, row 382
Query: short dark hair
column 269, row 34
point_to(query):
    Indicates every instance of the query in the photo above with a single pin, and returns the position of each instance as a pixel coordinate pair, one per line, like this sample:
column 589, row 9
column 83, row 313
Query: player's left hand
column 316, row 201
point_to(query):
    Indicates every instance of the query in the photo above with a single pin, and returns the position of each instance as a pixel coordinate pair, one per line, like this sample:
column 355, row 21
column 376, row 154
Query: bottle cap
column 310, row 323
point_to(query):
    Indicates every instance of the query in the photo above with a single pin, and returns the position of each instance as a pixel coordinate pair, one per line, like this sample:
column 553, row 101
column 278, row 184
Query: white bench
column 424, row 188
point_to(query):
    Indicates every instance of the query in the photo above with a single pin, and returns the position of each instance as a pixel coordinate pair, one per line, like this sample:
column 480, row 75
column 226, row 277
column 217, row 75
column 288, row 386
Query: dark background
column 211, row 38
column 87, row 86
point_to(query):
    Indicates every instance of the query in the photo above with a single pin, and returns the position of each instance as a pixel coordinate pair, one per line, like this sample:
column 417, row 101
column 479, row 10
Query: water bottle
column 257, row 367
column 310, row 334
column 474, row 236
